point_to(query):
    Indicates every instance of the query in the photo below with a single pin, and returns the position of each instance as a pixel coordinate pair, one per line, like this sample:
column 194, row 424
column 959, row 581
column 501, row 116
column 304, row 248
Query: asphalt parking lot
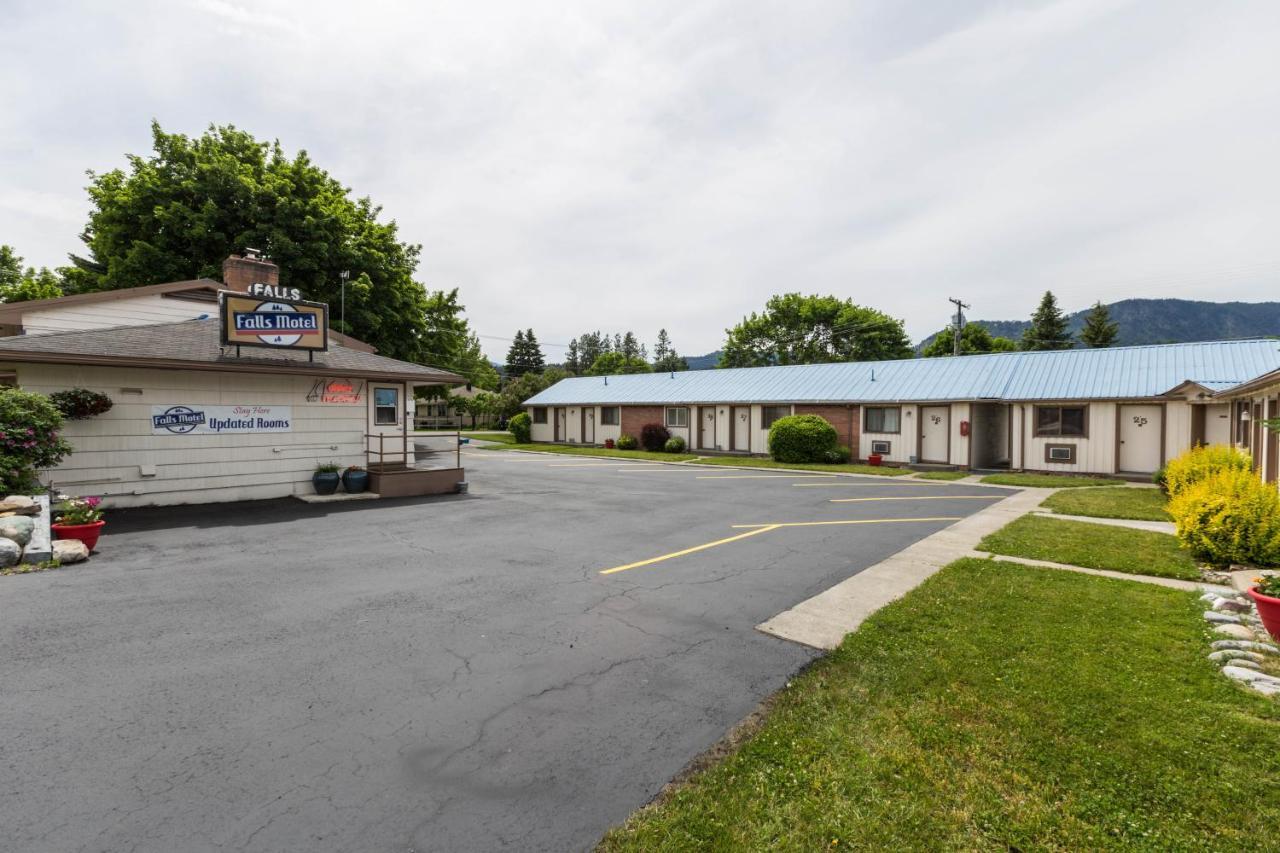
column 519, row 667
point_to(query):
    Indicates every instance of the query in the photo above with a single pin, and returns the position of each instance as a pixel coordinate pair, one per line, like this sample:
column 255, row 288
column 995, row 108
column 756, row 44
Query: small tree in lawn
column 1099, row 329
column 29, row 439
column 1048, row 329
column 654, row 437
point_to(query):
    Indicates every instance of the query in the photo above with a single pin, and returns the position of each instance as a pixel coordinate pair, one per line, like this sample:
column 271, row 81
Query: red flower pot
column 86, row 533
column 874, row 459
column 1268, row 611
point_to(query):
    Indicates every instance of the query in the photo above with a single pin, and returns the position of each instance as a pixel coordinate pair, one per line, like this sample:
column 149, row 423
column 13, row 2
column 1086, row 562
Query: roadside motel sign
column 217, row 420
column 273, row 322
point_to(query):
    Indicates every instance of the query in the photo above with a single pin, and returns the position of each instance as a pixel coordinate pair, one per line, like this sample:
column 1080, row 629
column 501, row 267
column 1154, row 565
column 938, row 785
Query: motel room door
column 1140, row 428
column 935, row 433
column 588, row 425
column 740, row 428
column 562, row 424
column 706, row 427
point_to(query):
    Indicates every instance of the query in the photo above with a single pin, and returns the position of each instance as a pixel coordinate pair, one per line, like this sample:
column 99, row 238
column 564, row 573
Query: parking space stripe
column 597, row 464
column 777, row 524
column 858, row 484
column 636, row 469
column 694, row 549
column 762, row 477
column 920, row 498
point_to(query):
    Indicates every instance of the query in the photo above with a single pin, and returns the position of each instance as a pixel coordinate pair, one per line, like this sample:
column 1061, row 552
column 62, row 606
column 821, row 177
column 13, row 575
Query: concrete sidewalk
column 822, row 621
column 1133, row 523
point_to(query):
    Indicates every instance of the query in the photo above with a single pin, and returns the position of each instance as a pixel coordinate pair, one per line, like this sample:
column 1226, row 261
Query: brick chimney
column 238, row 272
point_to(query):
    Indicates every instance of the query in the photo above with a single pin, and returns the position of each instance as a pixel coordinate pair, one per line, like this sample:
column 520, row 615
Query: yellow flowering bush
column 1199, row 462
column 1229, row 516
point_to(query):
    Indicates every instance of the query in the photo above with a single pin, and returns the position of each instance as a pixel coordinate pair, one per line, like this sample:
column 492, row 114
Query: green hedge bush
column 675, row 444
column 1229, row 516
column 29, row 439
column 521, row 426
column 627, row 442
column 653, row 437
column 802, row 438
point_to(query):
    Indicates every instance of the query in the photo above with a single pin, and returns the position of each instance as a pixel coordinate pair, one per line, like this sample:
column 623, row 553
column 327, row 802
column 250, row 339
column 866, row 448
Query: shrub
column 627, row 442
column 29, row 440
column 802, row 438
column 1199, row 462
column 80, row 403
column 521, row 426
column 1229, row 516
column 675, row 444
column 1159, row 479
column 839, row 456
column 654, row 437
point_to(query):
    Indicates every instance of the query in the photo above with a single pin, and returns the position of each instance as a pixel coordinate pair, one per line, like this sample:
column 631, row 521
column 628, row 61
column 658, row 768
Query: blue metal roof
column 1076, row 374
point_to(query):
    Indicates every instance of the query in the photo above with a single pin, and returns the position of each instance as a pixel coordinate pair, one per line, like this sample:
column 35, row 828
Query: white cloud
column 574, row 166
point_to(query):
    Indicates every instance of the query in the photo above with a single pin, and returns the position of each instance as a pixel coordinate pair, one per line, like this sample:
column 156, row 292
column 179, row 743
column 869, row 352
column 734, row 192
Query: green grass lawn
column 996, row 708
column 1048, row 481
column 942, row 475
column 584, row 450
column 498, row 437
column 761, row 462
column 1110, row 502
column 1094, row 546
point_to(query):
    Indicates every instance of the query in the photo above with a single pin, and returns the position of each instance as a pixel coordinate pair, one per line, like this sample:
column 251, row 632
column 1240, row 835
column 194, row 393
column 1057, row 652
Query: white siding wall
column 110, row 448
column 138, row 311
column 543, row 432
column 1095, row 454
column 902, row 444
column 1177, row 428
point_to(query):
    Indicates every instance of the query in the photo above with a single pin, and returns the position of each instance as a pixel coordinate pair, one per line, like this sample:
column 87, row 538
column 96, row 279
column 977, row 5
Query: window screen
column 609, row 416
column 769, row 414
column 678, row 417
column 386, row 406
column 882, row 419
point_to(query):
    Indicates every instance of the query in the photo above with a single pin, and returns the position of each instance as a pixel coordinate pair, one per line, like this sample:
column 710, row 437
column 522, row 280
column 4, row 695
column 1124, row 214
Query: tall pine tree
column 1099, row 330
column 665, row 357
column 1048, row 329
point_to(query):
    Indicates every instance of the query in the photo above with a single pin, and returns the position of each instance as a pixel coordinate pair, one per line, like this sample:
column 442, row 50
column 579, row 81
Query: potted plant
column 355, row 479
column 609, row 443
column 875, row 459
column 1266, row 594
column 79, row 518
column 325, row 479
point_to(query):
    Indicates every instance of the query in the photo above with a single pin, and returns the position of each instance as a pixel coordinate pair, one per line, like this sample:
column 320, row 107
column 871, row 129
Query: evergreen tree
column 1099, row 330
column 1048, row 329
column 19, row 284
column 665, row 357
column 573, row 358
column 534, row 352
column 516, row 354
column 590, row 347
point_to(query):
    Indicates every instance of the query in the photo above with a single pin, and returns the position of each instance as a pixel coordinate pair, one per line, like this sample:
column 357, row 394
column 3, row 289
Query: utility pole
column 342, row 279
column 959, row 323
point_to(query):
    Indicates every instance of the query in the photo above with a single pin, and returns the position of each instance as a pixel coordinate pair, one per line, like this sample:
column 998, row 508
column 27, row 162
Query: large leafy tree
column 516, row 391
column 453, row 345
column 614, row 363
column 1099, row 330
column 973, row 339
column 178, row 212
column 798, row 329
column 22, row 284
column 1048, row 329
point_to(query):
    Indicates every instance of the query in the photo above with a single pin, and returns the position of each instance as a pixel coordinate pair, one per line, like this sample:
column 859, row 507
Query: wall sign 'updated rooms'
column 219, row 420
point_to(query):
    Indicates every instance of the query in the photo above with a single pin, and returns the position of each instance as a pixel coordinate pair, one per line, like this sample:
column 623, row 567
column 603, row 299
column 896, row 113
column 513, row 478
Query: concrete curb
column 1133, row 523
column 1173, row 583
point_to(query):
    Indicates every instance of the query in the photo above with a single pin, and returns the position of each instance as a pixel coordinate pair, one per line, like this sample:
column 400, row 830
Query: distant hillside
column 703, row 362
column 1168, row 321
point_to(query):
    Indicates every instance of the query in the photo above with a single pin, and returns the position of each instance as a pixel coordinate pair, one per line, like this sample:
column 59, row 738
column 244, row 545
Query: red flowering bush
column 654, row 437
column 29, row 439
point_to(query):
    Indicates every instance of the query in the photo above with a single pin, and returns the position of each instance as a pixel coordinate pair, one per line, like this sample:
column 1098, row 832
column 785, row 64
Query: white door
column 935, row 425
column 589, row 425
column 1217, row 423
column 561, row 425
column 1140, row 428
column 741, row 427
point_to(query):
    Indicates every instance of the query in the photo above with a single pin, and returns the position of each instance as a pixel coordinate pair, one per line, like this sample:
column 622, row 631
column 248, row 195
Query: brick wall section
column 238, row 273
column 634, row 417
column 843, row 418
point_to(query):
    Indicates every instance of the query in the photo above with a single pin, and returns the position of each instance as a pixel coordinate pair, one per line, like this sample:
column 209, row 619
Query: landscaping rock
column 1247, row 646
column 1248, row 664
column 1228, row 605
column 18, row 528
column 1222, row 618
column 1266, row 688
column 70, row 551
column 1240, row 673
column 10, row 553
column 1238, row 632
column 1235, row 654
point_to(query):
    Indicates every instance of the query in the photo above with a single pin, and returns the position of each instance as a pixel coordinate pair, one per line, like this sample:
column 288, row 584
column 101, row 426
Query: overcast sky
column 572, row 166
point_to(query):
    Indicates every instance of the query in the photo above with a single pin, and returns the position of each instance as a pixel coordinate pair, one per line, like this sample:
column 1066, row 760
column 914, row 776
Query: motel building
column 221, row 391
column 1121, row 411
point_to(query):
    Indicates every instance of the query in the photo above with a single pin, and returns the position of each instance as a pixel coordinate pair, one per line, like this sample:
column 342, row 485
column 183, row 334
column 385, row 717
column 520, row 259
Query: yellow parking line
column 775, row 525
column 761, row 477
column 652, row 560
column 920, row 498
